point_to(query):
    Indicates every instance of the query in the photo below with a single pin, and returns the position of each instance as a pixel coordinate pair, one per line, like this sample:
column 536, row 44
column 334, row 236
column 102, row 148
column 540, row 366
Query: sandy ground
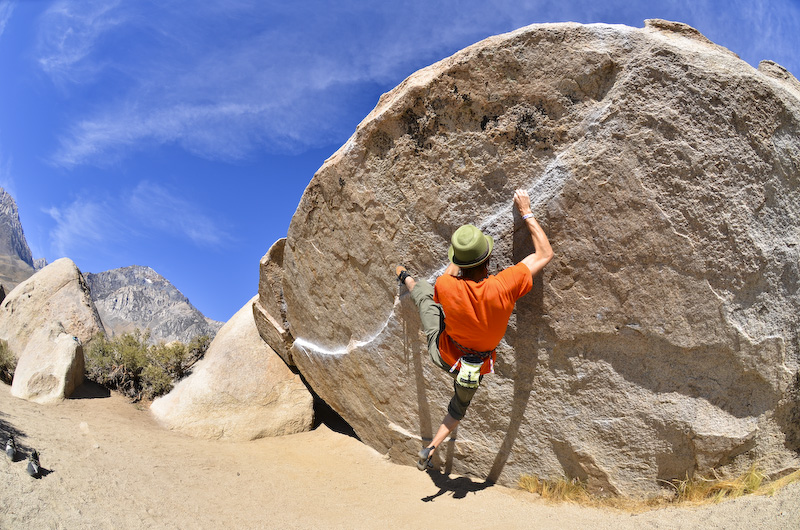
column 107, row 464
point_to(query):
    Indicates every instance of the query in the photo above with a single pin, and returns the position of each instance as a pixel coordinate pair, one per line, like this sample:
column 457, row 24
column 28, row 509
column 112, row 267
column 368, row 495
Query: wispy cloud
column 72, row 32
column 83, row 226
column 150, row 211
column 223, row 79
column 158, row 208
column 6, row 9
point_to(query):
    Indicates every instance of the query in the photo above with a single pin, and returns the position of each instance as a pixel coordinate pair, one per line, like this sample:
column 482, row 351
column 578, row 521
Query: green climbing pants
column 433, row 323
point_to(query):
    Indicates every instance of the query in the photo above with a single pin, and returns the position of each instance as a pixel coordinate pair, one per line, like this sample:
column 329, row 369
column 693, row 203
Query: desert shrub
column 140, row 370
column 8, row 363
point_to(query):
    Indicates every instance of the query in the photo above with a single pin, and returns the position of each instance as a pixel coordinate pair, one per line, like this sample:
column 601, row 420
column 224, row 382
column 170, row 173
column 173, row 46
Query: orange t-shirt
column 476, row 314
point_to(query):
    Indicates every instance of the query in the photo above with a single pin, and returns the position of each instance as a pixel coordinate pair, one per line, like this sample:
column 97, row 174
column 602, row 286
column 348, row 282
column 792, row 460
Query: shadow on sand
column 90, row 390
column 457, row 487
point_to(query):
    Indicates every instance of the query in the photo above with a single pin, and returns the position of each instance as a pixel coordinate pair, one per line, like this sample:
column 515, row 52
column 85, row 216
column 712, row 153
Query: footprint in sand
column 85, row 430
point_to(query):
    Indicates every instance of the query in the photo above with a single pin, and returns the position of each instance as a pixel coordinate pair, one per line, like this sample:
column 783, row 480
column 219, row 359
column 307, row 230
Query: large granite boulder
column 241, row 390
column 50, row 368
column 55, row 299
column 661, row 341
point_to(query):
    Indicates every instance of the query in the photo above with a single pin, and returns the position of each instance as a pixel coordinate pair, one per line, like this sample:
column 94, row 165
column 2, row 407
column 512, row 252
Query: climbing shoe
column 11, row 449
column 402, row 274
column 425, row 456
column 33, row 464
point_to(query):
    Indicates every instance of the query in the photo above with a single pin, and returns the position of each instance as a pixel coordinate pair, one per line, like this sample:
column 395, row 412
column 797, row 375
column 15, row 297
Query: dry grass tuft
column 701, row 490
column 692, row 491
column 559, row 490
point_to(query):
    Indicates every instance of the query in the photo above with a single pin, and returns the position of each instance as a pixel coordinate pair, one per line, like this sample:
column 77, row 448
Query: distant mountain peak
column 12, row 237
column 138, row 297
column 16, row 261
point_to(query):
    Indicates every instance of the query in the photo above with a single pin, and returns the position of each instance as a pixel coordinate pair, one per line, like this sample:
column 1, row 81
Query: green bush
column 8, row 363
column 140, row 370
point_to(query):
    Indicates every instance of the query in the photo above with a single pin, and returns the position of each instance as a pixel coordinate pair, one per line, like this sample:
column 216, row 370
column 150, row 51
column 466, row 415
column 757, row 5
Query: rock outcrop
column 138, row 297
column 241, row 390
column 45, row 320
column 16, row 261
column 55, row 298
column 663, row 338
column 273, row 329
column 50, row 368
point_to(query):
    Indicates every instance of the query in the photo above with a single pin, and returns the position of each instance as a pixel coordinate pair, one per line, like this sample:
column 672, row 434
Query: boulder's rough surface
column 46, row 320
column 138, row 297
column 241, row 390
column 273, row 329
column 54, row 300
column 50, row 368
column 661, row 341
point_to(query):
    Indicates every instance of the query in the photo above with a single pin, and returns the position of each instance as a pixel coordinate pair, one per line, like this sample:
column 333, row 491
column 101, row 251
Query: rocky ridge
column 16, row 260
column 138, row 297
column 662, row 339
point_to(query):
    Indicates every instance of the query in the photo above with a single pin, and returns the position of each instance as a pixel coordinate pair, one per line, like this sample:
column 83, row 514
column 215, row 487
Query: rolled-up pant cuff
column 460, row 401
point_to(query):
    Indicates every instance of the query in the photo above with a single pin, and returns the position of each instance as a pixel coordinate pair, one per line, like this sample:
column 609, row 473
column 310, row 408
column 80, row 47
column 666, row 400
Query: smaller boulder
column 242, row 390
column 50, row 368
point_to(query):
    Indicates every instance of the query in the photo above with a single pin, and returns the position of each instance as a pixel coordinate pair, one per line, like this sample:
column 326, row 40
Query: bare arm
column 543, row 252
column 452, row 269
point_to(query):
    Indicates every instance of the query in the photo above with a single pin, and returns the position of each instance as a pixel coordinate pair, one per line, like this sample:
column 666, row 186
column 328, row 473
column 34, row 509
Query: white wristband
column 526, row 216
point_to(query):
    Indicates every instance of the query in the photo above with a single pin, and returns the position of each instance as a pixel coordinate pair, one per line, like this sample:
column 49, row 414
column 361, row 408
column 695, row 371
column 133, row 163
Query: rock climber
column 465, row 316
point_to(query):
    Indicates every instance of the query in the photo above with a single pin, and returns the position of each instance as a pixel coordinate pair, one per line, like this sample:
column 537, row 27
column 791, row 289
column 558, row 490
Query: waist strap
column 482, row 355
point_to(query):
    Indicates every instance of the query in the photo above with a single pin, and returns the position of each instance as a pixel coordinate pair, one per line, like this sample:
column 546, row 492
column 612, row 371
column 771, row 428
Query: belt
column 482, row 355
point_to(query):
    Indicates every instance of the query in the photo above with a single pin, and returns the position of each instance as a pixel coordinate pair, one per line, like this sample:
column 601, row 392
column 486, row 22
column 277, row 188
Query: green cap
column 470, row 247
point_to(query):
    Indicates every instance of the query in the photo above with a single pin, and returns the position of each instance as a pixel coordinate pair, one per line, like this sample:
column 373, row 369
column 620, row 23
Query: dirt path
column 109, row 465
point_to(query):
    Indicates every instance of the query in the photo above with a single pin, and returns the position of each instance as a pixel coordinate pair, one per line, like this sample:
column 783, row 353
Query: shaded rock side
column 241, row 390
column 269, row 309
column 50, row 368
column 55, row 300
column 663, row 336
column 16, row 261
column 138, row 297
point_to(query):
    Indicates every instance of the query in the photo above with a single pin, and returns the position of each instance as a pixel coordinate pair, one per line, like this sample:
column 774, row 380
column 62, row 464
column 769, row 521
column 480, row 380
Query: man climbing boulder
column 465, row 315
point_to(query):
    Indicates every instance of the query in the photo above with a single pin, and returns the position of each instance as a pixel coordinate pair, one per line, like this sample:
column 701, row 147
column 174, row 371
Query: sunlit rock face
column 661, row 341
column 55, row 299
column 50, row 368
column 45, row 321
column 241, row 390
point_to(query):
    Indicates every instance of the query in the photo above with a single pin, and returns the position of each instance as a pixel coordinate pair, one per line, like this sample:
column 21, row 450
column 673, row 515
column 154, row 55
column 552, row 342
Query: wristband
column 526, row 216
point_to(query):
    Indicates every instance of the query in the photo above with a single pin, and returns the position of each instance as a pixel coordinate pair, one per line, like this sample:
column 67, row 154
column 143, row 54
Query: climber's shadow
column 523, row 339
column 458, row 487
column 523, row 377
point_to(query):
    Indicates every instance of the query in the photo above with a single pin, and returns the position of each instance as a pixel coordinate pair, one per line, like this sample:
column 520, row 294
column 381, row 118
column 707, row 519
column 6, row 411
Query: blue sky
column 180, row 135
